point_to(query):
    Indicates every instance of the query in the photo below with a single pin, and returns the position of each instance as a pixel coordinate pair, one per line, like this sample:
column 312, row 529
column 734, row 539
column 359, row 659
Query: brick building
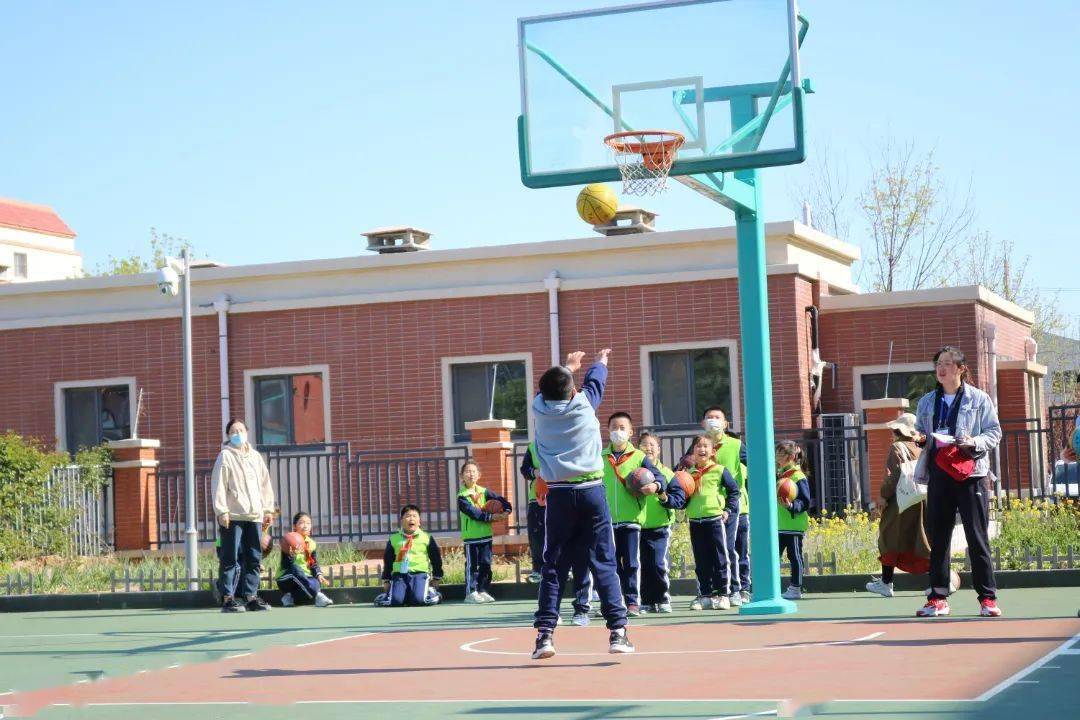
column 400, row 350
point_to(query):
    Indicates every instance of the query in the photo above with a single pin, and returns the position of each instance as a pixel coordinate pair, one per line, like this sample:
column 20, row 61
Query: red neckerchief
column 406, row 547
column 616, row 463
column 788, row 474
column 698, row 472
column 474, row 496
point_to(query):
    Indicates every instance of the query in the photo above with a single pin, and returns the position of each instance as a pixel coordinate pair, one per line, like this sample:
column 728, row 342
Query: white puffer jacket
column 241, row 484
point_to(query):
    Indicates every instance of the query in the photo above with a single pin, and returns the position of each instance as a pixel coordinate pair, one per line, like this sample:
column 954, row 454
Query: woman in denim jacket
column 967, row 414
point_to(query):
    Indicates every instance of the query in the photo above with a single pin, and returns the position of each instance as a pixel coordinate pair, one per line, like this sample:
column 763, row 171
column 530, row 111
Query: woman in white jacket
column 243, row 500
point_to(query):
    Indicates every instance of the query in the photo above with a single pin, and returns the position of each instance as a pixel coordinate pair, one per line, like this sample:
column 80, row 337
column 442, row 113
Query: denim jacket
column 976, row 417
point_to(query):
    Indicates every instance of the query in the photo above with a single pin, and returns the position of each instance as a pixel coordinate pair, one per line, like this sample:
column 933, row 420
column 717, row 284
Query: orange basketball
column 686, row 482
column 541, row 489
column 786, row 491
column 493, row 506
column 292, row 541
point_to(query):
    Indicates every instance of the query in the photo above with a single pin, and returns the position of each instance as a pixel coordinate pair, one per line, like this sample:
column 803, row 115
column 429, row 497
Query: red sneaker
column 988, row 608
column 935, row 607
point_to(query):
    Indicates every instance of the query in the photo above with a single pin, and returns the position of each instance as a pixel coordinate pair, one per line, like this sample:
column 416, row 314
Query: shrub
column 1026, row 526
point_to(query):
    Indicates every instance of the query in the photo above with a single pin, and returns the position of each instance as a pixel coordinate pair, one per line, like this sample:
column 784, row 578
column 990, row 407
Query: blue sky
column 277, row 131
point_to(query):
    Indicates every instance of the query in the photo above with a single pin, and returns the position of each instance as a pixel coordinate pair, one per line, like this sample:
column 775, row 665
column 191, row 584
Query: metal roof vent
column 397, row 239
column 628, row 220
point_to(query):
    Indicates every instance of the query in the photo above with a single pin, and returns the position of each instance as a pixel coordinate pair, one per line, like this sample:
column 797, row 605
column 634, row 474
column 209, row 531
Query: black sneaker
column 619, row 642
column 257, row 604
column 545, row 648
column 229, row 605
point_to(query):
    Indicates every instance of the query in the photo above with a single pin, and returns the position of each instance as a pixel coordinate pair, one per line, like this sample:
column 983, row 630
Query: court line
column 621, row 701
column 189, row 702
column 1063, row 649
column 470, row 647
column 238, row 655
column 330, row 640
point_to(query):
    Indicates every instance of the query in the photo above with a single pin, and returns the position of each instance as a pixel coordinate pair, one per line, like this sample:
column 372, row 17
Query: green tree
column 162, row 245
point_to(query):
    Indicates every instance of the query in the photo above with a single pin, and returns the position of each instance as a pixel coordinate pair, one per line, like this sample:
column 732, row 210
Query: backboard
column 718, row 71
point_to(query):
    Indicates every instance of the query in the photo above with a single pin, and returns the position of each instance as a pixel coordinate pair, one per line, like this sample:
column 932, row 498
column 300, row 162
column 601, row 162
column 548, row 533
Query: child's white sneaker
column 701, row 603
column 322, row 601
column 745, row 595
column 721, row 603
column 474, row 598
column 736, row 599
column 883, row 589
column 580, row 619
column 486, row 597
column 287, row 600
column 664, row 608
column 793, row 592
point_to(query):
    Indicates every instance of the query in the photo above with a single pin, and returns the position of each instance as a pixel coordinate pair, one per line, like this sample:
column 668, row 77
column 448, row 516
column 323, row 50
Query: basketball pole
column 757, row 381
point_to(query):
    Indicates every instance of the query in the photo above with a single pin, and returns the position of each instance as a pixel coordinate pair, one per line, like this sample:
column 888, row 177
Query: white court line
column 763, row 713
column 192, row 702
column 471, row 647
column 1063, row 649
column 238, row 655
column 173, row 666
column 598, row 701
column 346, row 637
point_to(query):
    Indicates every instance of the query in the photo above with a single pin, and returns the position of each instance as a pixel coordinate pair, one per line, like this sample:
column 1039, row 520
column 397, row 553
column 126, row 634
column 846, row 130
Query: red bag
column 955, row 461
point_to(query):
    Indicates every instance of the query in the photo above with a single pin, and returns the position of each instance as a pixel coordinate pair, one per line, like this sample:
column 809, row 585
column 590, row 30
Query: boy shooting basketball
column 568, row 444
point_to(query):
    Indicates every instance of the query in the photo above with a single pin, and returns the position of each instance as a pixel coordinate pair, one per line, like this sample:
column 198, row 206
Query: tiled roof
column 28, row 216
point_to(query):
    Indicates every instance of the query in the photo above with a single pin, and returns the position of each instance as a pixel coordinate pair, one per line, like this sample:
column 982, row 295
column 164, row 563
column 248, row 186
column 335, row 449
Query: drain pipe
column 221, row 307
column 552, row 283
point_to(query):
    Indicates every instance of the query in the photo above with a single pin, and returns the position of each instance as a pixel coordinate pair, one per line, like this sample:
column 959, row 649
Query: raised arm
column 596, row 379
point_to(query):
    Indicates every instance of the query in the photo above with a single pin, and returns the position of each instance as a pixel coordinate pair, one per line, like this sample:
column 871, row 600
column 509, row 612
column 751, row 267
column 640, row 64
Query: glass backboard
column 718, row 71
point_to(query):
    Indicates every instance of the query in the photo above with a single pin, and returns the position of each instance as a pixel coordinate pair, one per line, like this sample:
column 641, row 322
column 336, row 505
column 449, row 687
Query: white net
column 644, row 158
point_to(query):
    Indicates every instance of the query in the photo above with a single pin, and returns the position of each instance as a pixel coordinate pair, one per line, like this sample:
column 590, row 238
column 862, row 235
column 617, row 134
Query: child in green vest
column 412, row 565
column 476, row 532
column 792, row 515
column 709, row 509
column 534, row 516
column 300, row 578
column 655, row 536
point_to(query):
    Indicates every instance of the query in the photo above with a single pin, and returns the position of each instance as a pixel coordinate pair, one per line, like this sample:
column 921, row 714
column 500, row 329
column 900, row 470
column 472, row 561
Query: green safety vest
column 474, row 529
column 785, row 519
column 536, row 465
column 656, row 515
column 624, row 505
column 711, row 495
column 727, row 455
column 411, row 558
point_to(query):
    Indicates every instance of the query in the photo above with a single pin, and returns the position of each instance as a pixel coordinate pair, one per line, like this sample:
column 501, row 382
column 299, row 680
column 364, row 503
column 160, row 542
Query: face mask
column 236, row 440
column 714, row 426
column 619, row 437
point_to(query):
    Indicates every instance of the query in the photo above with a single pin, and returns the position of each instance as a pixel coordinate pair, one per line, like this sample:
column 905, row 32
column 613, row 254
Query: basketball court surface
column 841, row 655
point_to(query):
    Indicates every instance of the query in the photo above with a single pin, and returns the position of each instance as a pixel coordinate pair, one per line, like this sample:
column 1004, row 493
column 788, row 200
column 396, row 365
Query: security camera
column 168, row 281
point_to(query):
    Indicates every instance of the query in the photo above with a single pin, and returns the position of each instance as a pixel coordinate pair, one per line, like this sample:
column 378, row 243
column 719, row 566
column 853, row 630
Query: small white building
column 35, row 244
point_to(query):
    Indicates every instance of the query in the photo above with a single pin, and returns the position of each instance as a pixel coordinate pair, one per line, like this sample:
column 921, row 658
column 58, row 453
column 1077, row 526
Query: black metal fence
column 428, row 478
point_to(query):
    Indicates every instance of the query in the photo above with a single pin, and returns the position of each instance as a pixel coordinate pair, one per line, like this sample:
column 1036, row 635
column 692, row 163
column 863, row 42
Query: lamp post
column 175, row 276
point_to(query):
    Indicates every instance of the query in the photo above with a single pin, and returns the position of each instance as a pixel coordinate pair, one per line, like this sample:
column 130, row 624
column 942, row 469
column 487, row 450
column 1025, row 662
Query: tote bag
column 908, row 492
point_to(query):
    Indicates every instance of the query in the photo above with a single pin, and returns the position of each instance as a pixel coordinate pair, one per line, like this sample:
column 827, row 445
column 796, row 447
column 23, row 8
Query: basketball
column 493, row 506
column 641, row 482
column 292, row 541
column 597, row 203
column 541, row 491
column 686, row 482
column 786, row 491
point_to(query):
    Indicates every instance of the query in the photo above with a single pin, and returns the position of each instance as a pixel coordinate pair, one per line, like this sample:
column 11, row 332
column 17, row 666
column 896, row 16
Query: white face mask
column 715, row 426
column 619, row 437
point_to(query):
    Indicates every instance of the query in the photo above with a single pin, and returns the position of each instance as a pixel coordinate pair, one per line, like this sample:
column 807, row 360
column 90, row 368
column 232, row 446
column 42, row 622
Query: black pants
column 655, row 585
column 792, row 542
column 742, row 549
column 241, row 552
column 478, row 557
column 708, row 539
column 628, row 562
column 303, row 588
column 944, row 498
column 535, row 522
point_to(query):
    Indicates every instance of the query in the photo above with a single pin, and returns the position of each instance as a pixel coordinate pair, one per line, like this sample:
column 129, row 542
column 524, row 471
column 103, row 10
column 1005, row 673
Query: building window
column 289, row 409
column 911, row 385
column 489, row 390
column 21, row 270
column 685, row 382
column 93, row 415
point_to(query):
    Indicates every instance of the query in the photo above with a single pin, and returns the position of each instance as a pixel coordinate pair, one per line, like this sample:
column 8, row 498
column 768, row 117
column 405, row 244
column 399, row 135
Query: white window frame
column 448, row 389
column 735, row 421
column 858, row 371
column 15, row 265
column 60, row 407
column 249, row 392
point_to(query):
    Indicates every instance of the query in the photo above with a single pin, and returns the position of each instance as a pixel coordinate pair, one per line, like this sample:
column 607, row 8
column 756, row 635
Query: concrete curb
column 186, row 600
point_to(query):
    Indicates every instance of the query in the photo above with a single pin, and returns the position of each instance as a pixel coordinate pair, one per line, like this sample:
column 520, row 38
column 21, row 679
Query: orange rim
column 655, row 154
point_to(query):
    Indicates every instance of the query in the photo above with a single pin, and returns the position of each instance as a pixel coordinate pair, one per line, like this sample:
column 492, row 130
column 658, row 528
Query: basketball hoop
column 644, row 158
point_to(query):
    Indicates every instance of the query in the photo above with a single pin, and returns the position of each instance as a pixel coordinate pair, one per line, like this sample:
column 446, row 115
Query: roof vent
column 397, row 239
column 628, row 220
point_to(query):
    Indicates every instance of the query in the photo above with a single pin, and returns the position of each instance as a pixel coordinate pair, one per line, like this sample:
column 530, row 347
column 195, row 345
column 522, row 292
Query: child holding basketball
column 627, row 506
column 412, row 565
column 477, row 509
column 568, row 444
column 656, row 532
column 709, row 509
column 792, row 511
column 300, row 578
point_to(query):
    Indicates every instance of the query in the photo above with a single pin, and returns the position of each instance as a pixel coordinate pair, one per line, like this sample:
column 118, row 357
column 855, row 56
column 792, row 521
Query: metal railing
column 388, row 479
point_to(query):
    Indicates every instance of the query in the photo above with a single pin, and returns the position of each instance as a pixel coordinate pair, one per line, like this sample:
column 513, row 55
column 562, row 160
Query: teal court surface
column 842, row 655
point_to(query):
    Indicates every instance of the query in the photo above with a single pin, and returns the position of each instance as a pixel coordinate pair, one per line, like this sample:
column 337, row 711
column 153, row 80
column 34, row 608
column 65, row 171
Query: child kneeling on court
column 300, row 579
column 474, row 511
column 716, row 500
column 792, row 516
column 412, row 565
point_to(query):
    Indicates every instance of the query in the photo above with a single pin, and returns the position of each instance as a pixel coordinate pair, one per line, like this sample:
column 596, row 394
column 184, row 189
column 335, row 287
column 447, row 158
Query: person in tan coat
column 243, row 501
column 902, row 541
